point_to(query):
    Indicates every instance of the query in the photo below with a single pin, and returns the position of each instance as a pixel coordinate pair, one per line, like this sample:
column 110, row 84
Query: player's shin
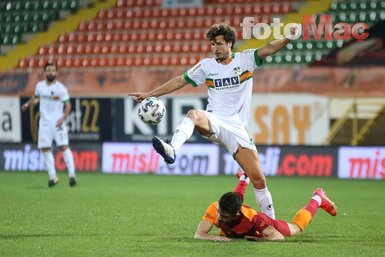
column 182, row 133
column 69, row 160
column 49, row 162
column 265, row 201
column 304, row 216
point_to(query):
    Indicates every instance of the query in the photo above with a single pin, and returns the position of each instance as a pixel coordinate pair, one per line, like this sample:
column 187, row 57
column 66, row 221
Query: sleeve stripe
column 258, row 60
column 189, row 80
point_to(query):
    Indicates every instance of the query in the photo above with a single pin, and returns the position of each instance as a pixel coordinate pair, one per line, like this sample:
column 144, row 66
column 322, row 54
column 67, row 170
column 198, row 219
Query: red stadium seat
column 83, row 26
column 77, row 62
column 62, row 49
column 60, row 62
column 88, row 49
column 174, row 48
column 156, row 61
column 106, row 49
column 80, row 49
column 102, row 14
column 149, row 48
column 86, row 62
column 142, row 33
column 63, row 38
column 43, row 50
column 24, row 63
column 71, row 49
column 114, row 48
column 165, row 60
column 138, row 61
column 159, row 48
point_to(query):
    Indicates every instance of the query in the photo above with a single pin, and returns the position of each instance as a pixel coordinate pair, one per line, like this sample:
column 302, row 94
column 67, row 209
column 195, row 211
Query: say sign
column 293, row 119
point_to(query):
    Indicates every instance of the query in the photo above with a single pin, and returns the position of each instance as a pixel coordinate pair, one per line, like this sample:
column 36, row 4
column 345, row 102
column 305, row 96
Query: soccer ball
column 151, row 110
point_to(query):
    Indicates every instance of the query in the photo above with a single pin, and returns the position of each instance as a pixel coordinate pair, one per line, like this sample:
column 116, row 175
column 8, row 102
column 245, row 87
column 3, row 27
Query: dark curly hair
column 230, row 203
column 222, row 29
column 50, row 64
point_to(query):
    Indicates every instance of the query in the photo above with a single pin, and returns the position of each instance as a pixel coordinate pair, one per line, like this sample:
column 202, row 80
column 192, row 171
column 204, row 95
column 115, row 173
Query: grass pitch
column 149, row 215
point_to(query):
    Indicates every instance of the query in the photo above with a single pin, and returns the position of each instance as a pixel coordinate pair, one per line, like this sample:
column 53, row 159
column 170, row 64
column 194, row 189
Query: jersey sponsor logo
column 226, row 82
column 50, row 98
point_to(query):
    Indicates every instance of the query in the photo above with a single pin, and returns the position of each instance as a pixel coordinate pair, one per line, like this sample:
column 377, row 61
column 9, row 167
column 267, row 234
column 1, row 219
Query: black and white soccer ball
column 151, row 110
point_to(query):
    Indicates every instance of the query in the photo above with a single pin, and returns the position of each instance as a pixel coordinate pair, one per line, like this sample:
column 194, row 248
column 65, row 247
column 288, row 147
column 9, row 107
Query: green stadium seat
column 309, row 45
column 299, row 45
column 309, row 57
column 9, row 39
column 363, row 6
column 353, row 6
column 289, row 46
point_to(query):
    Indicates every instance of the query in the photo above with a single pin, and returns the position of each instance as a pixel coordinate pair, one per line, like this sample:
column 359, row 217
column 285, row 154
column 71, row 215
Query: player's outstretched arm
column 31, row 102
column 203, row 230
column 271, row 235
column 276, row 45
column 272, row 47
column 170, row 86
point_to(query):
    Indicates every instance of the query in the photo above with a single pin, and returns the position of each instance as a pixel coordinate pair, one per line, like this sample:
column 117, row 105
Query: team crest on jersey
column 54, row 97
column 237, row 70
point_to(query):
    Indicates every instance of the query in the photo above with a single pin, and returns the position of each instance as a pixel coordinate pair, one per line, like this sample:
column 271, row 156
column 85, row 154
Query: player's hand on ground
column 253, row 238
column 221, row 239
column 139, row 96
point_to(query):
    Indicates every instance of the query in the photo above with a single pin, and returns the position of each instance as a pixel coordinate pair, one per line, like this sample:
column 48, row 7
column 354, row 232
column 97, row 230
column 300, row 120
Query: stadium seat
column 145, row 34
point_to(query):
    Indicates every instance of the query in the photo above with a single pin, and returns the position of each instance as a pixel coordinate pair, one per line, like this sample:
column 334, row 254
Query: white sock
column 265, row 201
column 244, row 178
column 69, row 160
column 50, row 165
column 183, row 132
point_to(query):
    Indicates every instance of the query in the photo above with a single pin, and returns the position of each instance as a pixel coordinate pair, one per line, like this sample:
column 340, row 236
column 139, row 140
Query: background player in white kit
column 228, row 77
column 53, row 96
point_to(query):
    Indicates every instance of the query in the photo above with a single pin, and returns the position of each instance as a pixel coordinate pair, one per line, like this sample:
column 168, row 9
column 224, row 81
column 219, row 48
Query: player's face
column 226, row 217
column 221, row 48
column 50, row 73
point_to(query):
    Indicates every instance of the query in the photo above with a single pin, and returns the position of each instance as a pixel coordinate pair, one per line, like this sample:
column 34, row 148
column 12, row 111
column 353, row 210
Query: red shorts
column 262, row 221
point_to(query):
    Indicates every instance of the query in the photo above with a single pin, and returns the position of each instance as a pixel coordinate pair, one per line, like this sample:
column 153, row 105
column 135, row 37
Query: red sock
column 241, row 188
column 312, row 206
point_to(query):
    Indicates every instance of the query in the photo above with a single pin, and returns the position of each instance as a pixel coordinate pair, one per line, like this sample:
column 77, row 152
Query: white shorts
column 229, row 132
column 49, row 132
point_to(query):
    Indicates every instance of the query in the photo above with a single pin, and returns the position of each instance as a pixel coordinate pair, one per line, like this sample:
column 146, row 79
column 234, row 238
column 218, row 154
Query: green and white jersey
column 52, row 98
column 229, row 86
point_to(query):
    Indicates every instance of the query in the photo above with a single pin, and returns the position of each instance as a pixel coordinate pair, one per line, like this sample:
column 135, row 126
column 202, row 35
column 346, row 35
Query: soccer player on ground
column 52, row 96
column 236, row 220
column 228, row 78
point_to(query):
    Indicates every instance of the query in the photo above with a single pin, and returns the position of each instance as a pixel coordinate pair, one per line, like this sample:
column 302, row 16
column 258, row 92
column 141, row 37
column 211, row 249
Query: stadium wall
column 106, row 135
column 329, row 81
column 203, row 159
